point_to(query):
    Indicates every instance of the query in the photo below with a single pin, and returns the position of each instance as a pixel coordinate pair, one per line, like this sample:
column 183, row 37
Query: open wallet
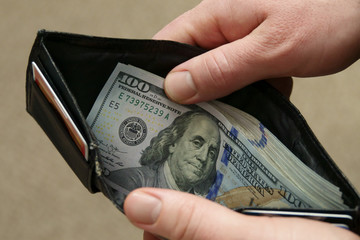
column 66, row 73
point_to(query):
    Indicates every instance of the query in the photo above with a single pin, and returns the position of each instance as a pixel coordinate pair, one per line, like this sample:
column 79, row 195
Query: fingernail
column 142, row 208
column 179, row 86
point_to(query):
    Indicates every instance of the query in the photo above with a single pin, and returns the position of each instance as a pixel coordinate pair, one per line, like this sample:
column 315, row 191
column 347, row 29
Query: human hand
column 260, row 39
column 178, row 215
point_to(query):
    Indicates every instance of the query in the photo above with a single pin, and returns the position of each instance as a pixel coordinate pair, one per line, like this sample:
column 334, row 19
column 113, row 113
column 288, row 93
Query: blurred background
column 40, row 196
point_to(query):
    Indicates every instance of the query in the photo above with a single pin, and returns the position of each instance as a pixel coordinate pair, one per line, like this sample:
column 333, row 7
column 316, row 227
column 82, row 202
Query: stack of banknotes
column 209, row 149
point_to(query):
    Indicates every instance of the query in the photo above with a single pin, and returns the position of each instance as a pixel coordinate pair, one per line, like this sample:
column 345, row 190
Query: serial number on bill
column 140, row 104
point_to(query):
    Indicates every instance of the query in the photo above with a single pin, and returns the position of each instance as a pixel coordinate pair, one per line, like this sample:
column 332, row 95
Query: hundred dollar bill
column 145, row 140
column 282, row 158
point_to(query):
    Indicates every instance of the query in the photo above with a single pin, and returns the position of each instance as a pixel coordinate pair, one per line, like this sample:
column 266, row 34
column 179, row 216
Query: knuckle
column 218, row 68
column 187, row 223
column 280, row 50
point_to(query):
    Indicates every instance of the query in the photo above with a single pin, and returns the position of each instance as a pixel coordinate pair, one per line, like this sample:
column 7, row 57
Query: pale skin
column 249, row 40
column 260, row 39
column 177, row 215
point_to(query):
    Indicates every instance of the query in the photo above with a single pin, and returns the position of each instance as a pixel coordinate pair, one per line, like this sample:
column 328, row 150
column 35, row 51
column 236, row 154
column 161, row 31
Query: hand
column 177, row 215
column 260, row 39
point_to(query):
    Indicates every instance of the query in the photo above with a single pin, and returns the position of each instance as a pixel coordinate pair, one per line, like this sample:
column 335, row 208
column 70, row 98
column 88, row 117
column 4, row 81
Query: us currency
column 282, row 158
column 132, row 113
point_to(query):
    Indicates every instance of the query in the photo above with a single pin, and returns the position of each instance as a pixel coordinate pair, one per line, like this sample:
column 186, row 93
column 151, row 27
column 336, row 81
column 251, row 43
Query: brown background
column 39, row 195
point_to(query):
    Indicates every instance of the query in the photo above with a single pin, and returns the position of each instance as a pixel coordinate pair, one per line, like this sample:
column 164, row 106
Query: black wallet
column 76, row 68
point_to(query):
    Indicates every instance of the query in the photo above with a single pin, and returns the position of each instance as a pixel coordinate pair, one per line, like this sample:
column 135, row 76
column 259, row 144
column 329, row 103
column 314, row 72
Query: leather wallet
column 76, row 68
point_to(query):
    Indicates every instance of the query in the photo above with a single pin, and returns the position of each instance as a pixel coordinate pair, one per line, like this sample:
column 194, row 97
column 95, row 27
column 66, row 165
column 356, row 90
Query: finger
column 177, row 215
column 247, row 49
column 225, row 69
column 213, row 23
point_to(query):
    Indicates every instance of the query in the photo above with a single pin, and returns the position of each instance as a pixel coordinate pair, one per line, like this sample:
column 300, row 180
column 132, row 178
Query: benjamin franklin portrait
column 182, row 157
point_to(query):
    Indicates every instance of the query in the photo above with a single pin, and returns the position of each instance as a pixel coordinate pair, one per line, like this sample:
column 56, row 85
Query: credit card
column 50, row 95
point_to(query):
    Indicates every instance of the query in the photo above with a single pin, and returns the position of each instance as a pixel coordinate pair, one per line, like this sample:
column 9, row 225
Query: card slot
column 53, row 125
column 53, row 98
column 66, row 98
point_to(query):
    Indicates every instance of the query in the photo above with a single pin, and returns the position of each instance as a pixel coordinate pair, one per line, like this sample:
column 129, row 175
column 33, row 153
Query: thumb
column 177, row 215
column 220, row 71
